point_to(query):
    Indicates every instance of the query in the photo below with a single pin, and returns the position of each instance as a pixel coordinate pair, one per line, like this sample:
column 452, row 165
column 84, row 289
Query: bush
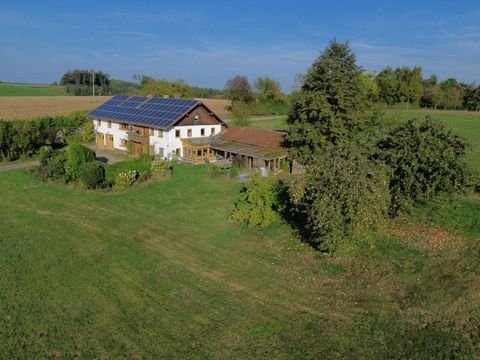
column 214, row 171
column 45, row 155
column 342, row 194
column 77, row 155
column 160, row 167
column 88, row 135
column 472, row 180
column 425, row 158
column 254, row 206
column 25, row 137
column 235, row 171
column 91, row 174
column 125, row 179
column 52, row 165
column 139, row 164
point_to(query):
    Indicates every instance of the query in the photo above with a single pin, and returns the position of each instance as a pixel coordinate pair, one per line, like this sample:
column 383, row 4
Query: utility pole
column 93, row 84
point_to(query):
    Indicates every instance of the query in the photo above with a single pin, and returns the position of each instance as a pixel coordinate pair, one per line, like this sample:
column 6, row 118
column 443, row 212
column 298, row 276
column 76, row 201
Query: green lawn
column 158, row 272
column 31, row 90
column 273, row 123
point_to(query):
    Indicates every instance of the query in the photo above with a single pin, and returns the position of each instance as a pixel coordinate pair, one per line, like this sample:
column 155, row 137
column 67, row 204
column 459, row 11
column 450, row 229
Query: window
column 189, row 132
column 212, row 131
column 123, row 142
column 109, row 124
column 160, row 133
column 196, row 119
column 150, row 132
column 177, row 133
column 99, row 123
column 177, row 151
column 123, row 126
column 202, row 132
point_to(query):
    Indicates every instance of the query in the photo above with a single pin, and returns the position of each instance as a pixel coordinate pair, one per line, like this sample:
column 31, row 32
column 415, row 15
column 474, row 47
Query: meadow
column 7, row 89
column 160, row 272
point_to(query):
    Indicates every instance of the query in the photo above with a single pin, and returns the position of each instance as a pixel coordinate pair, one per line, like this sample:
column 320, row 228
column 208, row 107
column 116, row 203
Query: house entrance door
column 100, row 140
column 109, row 141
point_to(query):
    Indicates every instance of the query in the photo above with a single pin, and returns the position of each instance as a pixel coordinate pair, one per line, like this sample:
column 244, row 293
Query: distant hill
column 8, row 89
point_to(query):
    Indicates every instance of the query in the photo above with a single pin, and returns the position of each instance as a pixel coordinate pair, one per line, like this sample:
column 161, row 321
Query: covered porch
column 249, row 156
column 197, row 151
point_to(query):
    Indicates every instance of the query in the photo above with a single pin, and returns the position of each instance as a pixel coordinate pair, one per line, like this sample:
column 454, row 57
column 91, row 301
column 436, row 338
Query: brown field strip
column 27, row 107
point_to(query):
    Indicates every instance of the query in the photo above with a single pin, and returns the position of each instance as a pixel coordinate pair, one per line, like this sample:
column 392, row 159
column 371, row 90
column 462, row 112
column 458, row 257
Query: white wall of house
column 160, row 139
column 111, row 128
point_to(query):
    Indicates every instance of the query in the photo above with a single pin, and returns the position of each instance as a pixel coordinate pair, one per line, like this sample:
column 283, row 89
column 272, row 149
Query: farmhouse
column 186, row 129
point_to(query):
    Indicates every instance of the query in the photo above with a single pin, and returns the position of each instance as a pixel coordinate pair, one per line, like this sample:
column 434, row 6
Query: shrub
column 125, row 179
column 425, row 158
column 88, row 134
column 214, row 171
column 52, row 165
column 160, row 167
column 144, row 177
column 45, row 155
column 235, row 171
column 77, row 155
column 91, row 174
column 472, row 180
column 342, row 194
column 254, row 206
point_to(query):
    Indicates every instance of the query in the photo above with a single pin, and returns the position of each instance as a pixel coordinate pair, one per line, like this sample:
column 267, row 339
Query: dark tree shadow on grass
column 294, row 216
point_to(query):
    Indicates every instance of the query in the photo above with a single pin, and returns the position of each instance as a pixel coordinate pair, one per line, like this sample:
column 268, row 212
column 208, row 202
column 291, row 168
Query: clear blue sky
column 207, row 42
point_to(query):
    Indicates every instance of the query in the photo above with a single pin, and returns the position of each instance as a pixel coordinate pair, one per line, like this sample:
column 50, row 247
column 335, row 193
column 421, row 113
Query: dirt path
column 20, row 165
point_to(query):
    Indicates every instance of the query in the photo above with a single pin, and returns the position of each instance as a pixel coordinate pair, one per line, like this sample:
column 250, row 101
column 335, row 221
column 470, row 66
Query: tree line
column 389, row 86
column 407, row 85
column 80, row 82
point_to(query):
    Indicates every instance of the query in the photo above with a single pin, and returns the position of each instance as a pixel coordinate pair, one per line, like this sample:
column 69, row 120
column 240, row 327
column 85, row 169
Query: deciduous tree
column 331, row 105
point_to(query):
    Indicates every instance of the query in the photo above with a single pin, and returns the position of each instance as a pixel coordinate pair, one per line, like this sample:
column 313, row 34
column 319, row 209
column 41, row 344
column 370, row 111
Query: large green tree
column 267, row 89
column 176, row 89
column 238, row 89
column 330, row 106
column 387, row 86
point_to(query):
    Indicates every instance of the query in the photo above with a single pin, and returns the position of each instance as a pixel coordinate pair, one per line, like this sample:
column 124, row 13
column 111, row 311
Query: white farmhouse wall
column 168, row 141
column 114, row 129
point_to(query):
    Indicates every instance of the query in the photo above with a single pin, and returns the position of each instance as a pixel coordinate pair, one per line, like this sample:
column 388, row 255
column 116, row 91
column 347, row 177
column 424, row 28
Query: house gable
column 199, row 115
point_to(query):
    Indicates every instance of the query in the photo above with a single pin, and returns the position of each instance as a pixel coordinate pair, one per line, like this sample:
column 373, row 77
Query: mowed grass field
column 31, row 90
column 159, row 272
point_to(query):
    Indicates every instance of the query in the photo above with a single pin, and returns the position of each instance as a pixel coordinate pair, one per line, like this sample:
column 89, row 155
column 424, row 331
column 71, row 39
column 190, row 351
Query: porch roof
column 219, row 143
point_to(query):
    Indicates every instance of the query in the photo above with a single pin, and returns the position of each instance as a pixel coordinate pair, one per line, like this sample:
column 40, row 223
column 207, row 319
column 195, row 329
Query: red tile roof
column 264, row 138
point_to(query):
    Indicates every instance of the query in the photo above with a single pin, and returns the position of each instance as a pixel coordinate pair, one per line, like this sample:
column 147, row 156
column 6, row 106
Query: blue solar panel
column 158, row 112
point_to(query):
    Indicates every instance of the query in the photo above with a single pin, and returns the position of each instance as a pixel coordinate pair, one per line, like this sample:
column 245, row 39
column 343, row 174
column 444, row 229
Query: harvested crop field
column 218, row 106
column 27, row 107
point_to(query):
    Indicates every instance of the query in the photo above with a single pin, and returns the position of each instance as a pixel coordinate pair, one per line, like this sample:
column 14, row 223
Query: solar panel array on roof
column 142, row 110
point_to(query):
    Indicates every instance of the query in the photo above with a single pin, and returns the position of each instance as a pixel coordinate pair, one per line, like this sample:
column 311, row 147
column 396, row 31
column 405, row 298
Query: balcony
column 137, row 135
